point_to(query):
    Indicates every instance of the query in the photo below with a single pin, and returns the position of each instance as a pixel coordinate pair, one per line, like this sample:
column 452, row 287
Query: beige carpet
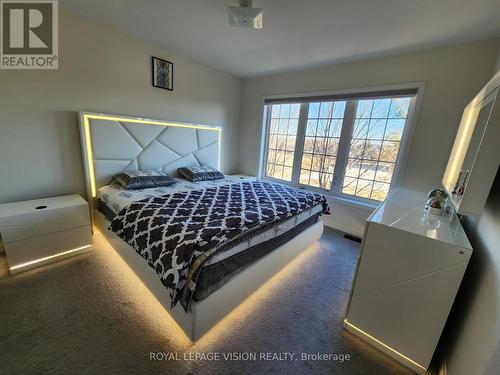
column 90, row 315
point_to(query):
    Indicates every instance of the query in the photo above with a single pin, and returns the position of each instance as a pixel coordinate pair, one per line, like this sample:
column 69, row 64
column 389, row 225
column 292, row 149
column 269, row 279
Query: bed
column 275, row 223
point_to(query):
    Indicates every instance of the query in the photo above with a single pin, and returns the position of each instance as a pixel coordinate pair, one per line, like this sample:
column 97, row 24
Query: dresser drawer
column 56, row 217
column 33, row 252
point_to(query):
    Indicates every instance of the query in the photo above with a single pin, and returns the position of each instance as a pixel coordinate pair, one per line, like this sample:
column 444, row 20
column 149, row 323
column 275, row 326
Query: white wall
column 471, row 339
column 452, row 76
column 100, row 70
column 498, row 62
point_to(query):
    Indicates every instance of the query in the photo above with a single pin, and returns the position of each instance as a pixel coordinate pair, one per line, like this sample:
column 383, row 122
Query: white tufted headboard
column 112, row 144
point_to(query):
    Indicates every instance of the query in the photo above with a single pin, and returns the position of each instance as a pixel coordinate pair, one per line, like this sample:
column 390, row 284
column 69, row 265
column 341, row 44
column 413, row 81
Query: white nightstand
column 41, row 231
column 244, row 177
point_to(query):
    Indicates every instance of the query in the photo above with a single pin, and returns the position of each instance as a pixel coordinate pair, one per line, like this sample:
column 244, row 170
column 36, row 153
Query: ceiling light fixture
column 244, row 15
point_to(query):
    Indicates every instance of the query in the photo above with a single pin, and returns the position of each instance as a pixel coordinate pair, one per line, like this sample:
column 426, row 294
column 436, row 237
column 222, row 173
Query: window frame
column 335, row 191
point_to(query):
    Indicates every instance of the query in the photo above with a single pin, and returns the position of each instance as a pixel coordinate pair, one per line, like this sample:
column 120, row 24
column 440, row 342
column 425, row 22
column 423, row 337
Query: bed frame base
column 205, row 314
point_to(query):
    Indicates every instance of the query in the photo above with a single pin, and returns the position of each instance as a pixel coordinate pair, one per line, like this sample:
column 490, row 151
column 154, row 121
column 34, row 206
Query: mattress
column 214, row 274
column 113, row 198
column 116, row 198
column 209, row 274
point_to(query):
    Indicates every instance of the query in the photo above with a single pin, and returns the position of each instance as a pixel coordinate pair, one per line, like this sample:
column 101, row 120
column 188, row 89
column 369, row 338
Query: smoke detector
column 244, row 15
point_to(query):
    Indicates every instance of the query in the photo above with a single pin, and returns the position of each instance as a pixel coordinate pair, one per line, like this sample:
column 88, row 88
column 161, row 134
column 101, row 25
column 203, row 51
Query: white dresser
column 410, row 268
column 41, row 231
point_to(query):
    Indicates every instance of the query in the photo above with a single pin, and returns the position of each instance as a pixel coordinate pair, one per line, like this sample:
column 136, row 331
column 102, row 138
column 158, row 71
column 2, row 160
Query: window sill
column 353, row 202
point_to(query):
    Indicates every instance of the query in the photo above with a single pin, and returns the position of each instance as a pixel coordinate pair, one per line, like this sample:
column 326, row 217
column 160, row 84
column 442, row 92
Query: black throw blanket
column 172, row 230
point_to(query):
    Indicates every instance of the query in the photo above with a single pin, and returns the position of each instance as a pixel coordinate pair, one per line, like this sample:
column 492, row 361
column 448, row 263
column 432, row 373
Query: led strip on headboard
column 87, row 148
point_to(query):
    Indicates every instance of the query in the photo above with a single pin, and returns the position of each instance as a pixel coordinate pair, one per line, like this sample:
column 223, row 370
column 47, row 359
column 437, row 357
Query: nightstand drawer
column 27, row 221
column 33, row 252
column 243, row 177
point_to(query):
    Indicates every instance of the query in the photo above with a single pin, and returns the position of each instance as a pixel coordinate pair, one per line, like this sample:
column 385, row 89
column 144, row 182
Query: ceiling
column 296, row 34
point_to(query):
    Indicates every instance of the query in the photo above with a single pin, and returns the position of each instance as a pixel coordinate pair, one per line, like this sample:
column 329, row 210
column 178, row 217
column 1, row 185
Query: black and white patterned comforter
column 173, row 230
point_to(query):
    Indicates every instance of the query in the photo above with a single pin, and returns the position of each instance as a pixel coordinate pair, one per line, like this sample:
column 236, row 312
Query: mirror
column 484, row 110
column 475, row 152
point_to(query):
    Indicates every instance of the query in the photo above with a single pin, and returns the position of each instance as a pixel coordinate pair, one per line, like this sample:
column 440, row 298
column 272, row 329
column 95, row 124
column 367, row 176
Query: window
column 282, row 138
column 321, row 143
column 374, row 146
column 348, row 146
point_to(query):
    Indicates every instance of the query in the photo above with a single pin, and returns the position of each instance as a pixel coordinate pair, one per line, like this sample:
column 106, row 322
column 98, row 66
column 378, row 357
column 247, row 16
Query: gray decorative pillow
column 200, row 173
column 143, row 179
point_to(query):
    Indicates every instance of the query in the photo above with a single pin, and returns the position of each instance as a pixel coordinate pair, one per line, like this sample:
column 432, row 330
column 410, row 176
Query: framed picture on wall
column 163, row 74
